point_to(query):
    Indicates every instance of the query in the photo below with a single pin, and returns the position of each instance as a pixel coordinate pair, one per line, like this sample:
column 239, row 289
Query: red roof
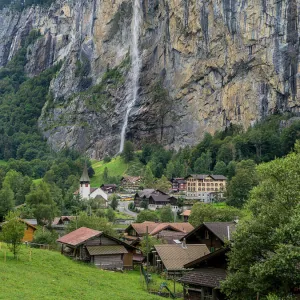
column 181, row 227
column 186, row 213
column 79, row 236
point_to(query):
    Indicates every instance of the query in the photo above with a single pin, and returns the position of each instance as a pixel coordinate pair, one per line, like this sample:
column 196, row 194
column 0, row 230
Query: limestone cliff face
column 220, row 61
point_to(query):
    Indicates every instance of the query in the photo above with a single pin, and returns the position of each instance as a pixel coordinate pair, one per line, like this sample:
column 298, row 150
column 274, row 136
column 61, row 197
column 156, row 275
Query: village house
column 30, row 228
column 59, row 224
column 205, row 188
column 172, row 258
column 204, row 281
column 155, row 199
column 131, row 183
column 212, row 234
column 87, row 192
column 186, row 214
column 98, row 248
column 178, row 185
column 109, row 188
column 166, row 232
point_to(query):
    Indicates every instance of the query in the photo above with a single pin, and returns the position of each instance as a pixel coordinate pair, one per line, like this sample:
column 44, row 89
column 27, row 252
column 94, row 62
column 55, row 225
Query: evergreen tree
column 163, row 184
column 203, row 163
column 128, row 152
column 114, row 202
column 105, row 175
column 220, row 168
column 148, row 178
column 7, row 201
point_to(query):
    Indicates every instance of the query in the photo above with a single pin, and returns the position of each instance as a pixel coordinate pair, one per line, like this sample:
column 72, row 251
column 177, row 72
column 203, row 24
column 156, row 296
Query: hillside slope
column 52, row 276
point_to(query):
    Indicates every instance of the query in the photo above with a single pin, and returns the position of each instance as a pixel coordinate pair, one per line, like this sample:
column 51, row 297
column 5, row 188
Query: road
column 123, row 207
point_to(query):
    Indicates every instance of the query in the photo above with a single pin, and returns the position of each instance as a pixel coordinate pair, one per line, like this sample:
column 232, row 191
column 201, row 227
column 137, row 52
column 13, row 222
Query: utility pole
column 147, row 247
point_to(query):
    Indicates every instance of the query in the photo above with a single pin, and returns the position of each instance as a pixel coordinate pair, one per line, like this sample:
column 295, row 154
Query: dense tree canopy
column 265, row 255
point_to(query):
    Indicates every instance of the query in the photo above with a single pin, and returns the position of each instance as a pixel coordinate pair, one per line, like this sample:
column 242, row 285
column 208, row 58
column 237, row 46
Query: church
column 87, row 192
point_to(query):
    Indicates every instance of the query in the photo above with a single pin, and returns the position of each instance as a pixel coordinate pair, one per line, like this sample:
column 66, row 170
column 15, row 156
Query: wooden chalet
column 109, row 188
column 178, row 185
column 186, row 214
column 29, row 229
column 98, row 248
column 155, row 199
column 173, row 258
column 212, row 234
column 144, row 195
column 203, row 282
column 167, row 232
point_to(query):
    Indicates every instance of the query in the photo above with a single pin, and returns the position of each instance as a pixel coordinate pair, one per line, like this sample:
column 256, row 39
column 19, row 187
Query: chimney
column 183, row 245
column 228, row 233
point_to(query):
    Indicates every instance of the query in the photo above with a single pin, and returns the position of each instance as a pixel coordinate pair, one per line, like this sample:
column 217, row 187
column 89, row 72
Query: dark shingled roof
column 203, row 176
column 220, row 229
column 210, row 277
column 85, row 176
column 106, row 250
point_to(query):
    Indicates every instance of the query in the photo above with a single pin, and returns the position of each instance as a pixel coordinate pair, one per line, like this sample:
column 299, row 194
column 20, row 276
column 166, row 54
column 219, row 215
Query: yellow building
column 205, row 187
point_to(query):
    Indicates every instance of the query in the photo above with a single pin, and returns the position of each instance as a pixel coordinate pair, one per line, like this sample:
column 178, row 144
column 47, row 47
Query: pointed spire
column 85, row 176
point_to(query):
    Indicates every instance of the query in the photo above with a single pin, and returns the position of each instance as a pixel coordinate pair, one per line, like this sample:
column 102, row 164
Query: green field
column 116, row 167
column 50, row 275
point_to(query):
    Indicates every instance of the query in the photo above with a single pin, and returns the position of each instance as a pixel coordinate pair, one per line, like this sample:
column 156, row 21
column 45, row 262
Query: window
column 206, row 235
column 212, row 249
column 86, row 185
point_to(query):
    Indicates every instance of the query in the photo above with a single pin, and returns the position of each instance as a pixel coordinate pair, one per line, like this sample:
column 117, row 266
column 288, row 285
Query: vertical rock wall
column 219, row 61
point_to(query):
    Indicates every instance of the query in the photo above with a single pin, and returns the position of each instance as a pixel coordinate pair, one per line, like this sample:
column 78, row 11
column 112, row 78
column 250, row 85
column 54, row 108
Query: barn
column 98, row 248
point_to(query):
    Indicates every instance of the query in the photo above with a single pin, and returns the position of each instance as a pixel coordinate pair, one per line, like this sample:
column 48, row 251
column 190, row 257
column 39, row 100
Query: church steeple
column 85, row 188
column 85, row 176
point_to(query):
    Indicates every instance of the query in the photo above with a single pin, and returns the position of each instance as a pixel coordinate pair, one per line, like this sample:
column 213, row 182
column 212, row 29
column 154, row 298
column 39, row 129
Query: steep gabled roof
column 141, row 228
column 210, row 277
column 174, row 257
column 85, row 176
column 160, row 198
column 220, row 229
column 79, row 236
column 180, row 227
column 186, row 213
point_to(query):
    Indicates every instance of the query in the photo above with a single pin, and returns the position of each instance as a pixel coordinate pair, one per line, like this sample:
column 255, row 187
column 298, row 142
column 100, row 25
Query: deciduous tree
column 265, row 254
column 13, row 232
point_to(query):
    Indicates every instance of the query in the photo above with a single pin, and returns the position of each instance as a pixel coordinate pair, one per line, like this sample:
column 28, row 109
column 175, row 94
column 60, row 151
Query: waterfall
column 135, row 66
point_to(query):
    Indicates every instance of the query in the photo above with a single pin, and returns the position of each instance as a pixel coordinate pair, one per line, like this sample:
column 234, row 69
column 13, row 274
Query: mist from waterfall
column 135, row 66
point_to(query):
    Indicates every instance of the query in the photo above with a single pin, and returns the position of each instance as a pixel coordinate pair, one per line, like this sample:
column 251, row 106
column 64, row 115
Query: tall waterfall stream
column 135, row 67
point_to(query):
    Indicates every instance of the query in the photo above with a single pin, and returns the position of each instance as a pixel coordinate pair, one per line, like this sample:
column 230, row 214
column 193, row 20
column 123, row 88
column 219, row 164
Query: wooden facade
column 28, row 233
column 212, row 234
column 203, row 283
column 102, row 250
